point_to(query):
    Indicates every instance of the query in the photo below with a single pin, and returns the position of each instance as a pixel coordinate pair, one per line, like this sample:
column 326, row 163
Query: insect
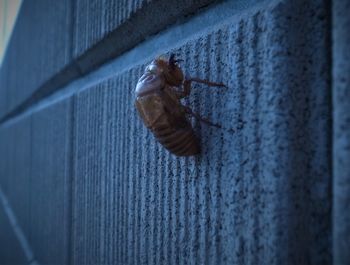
column 158, row 93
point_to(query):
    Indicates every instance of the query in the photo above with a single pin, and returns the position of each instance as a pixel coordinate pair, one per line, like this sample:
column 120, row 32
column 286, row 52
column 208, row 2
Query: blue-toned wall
column 341, row 131
column 82, row 181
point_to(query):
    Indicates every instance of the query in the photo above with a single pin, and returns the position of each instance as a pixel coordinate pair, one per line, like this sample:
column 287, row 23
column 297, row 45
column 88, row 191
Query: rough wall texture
column 11, row 252
column 131, row 21
column 77, row 37
column 39, row 48
column 218, row 208
column 341, row 136
column 94, row 187
column 51, row 171
column 95, row 19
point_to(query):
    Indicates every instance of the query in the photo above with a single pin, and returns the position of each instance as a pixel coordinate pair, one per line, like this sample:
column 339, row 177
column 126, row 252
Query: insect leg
column 188, row 81
column 203, row 81
column 197, row 116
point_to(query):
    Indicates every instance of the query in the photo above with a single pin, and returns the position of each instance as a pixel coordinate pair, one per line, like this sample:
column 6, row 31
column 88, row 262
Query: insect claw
column 172, row 58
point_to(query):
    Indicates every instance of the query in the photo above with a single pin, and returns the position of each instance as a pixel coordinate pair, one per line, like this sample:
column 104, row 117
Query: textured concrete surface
column 35, row 177
column 3, row 91
column 51, row 172
column 260, row 193
column 21, row 249
column 39, row 47
column 85, row 24
column 10, row 251
column 15, row 175
column 132, row 21
column 95, row 19
column 341, row 136
column 15, row 169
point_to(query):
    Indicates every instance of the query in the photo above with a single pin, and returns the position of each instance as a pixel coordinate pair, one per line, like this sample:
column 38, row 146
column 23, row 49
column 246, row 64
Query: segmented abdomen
column 180, row 141
column 172, row 129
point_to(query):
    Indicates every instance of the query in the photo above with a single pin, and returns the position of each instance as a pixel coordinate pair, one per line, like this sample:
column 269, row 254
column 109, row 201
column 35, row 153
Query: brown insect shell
column 158, row 74
column 172, row 73
column 171, row 127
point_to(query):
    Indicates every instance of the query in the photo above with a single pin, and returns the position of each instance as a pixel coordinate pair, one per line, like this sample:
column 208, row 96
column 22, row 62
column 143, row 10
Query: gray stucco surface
column 3, row 92
column 38, row 186
column 122, row 24
column 15, row 172
column 95, row 19
column 51, row 172
column 11, row 252
column 38, row 49
column 341, row 136
column 95, row 187
column 59, row 53
column 259, row 193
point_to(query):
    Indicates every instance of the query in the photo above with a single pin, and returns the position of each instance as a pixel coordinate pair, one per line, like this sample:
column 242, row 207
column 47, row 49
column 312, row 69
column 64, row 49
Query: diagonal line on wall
column 17, row 229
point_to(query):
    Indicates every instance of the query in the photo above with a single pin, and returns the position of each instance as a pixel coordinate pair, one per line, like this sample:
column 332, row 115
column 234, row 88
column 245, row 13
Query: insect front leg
column 197, row 116
column 188, row 82
column 172, row 62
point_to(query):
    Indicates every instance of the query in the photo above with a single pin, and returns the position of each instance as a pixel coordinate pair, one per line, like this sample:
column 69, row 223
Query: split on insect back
column 158, row 94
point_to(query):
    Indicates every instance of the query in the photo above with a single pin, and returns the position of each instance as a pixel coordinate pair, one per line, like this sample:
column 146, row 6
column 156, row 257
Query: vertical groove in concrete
column 129, row 158
column 104, row 189
column 155, row 229
column 50, row 170
column 119, row 112
column 232, row 151
column 159, row 217
column 259, row 27
column 173, row 222
column 170, row 232
column 204, row 96
column 116, row 172
column 218, row 75
column 129, row 145
column 88, row 189
column 71, row 183
column 95, row 19
column 341, row 131
column 189, row 199
column 137, row 178
column 121, row 175
column 136, row 182
column 254, row 143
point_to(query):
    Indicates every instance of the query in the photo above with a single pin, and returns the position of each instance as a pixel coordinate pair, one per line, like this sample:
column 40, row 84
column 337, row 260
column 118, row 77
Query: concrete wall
column 341, row 128
column 87, row 183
